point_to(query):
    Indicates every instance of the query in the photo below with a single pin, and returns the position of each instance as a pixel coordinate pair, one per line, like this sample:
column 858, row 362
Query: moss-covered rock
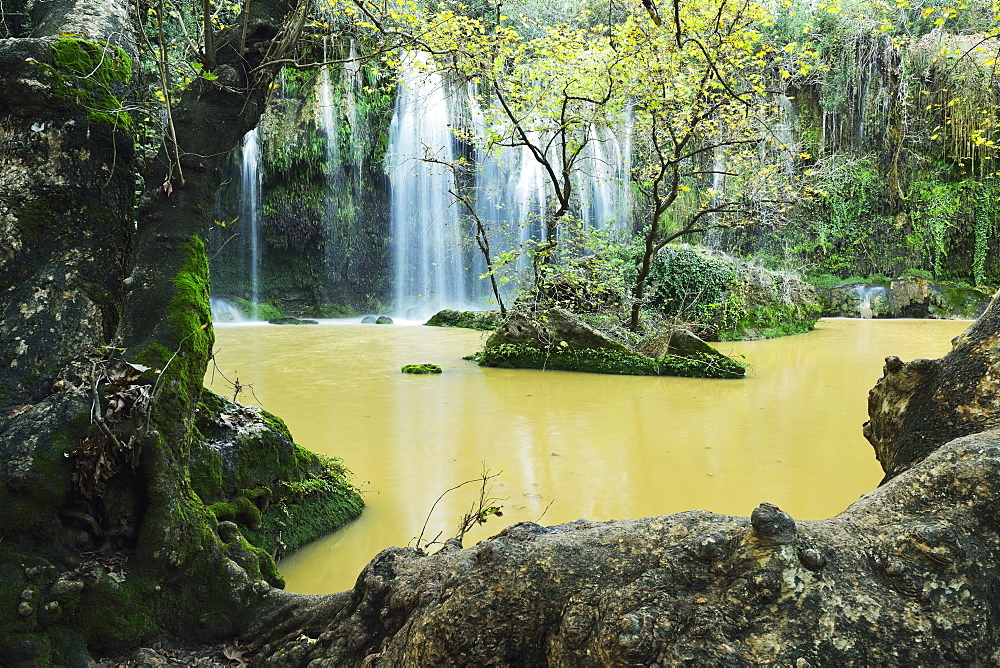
column 723, row 298
column 420, row 368
column 248, row 471
column 481, row 320
column 559, row 340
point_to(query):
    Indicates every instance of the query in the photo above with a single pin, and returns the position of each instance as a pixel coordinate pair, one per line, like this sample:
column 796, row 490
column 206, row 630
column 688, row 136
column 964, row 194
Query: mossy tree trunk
column 88, row 269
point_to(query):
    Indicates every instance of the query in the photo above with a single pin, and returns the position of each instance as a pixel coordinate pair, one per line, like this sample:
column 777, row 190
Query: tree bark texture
column 918, row 406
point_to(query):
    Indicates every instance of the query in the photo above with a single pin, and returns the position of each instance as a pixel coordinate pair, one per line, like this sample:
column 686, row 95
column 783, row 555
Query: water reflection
column 592, row 446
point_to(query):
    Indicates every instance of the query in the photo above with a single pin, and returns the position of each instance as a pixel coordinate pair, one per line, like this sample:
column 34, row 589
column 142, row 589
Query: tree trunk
column 918, row 406
column 106, row 539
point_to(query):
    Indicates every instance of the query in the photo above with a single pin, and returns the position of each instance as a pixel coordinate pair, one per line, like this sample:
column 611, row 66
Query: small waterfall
column 250, row 205
column 427, row 255
column 224, row 311
column 873, row 300
column 603, row 179
column 517, row 191
column 352, row 86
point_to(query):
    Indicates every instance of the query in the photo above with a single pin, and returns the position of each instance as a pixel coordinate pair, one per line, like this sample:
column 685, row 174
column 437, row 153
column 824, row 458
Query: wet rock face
column 910, row 560
column 906, row 297
column 66, row 197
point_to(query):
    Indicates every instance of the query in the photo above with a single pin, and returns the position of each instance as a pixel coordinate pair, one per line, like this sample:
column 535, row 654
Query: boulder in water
column 421, row 368
column 559, row 339
column 481, row 320
column 383, row 320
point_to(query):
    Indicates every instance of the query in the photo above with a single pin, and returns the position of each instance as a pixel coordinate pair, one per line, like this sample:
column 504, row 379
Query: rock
column 64, row 589
column 921, row 405
column 421, row 368
column 383, row 320
column 148, row 658
column 368, row 320
column 481, row 320
column 292, row 321
column 905, row 297
column 558, row 339
column 772, row 526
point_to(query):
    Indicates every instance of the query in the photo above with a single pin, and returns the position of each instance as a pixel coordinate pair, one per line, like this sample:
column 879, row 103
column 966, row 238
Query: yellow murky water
column 569, row 445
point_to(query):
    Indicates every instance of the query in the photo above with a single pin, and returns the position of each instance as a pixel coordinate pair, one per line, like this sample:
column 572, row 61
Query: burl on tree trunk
column 906, row 576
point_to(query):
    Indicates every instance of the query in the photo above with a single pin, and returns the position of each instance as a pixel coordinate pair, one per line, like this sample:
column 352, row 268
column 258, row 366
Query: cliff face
column 323, row 214
column 895, row 137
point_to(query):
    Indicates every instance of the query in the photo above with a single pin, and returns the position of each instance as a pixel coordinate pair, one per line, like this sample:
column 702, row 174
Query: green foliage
column 248, row 309
column 90, row 74
column 688, row 285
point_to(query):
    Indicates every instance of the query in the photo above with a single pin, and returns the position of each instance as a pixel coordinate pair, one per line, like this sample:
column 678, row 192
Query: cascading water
column 603, row 177
column 224, row 311
column 512, row 189
column 249, row 205
column 427, row 254
column 352, row 87
column 328, row 117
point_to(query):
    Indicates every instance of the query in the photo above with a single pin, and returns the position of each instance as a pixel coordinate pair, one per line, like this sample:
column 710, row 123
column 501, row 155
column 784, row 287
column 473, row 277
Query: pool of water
column 564, row 445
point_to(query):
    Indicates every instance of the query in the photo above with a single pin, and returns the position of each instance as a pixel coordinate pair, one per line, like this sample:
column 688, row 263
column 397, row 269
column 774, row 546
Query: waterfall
column 224, row 311
column 352, row 86
column 427, row 255
column 602, row 179
column 513, row 191
column 249, row 205
column 328, row 118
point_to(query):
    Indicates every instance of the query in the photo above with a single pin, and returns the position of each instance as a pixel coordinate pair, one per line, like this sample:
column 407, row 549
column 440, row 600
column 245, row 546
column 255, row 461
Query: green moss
column 114, row 615
column 206, row 474
column 87, row 73
column 420, row 368
column 610, row 361
column 240, row 510
column 481, row 320
column 249, row 310
column 752, row 313
column 306, row 509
